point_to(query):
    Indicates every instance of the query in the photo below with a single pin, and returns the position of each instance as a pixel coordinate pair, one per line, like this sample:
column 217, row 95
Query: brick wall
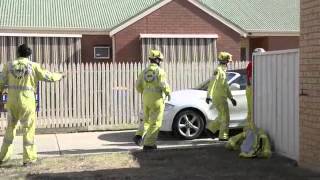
column 88, row 42
column 274, row 43
column 310, row 84
column 258, row 42
column 180, row 17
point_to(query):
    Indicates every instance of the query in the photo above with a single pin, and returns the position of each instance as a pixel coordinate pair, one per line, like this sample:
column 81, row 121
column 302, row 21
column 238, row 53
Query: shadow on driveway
column 205, row 163
column 128, row 135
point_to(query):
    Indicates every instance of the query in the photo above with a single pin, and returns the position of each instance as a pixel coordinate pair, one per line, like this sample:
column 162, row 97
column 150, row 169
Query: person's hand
column 249, row 81
column 234, row 102
column 63, row 75
column 208, row 100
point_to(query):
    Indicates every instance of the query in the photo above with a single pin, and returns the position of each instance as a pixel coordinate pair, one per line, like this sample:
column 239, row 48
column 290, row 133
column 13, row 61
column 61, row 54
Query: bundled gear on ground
column 251, row 143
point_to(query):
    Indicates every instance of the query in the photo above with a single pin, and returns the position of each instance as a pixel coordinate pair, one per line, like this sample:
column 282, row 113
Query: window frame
column 104, row 57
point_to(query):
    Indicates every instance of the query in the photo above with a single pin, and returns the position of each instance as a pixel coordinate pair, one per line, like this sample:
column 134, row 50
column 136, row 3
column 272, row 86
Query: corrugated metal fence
column 276, row 99
column 97, row 96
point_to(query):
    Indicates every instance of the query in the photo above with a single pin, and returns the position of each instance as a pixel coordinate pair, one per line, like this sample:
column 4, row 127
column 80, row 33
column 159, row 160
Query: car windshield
column 204, row 85
column 230, row 75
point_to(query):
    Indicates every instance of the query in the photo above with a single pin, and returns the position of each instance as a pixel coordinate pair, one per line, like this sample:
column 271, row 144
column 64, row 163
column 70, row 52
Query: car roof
column 240, row 71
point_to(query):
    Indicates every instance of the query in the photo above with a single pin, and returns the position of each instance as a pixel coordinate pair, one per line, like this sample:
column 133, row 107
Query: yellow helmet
column 154, row 54
column 224, row 57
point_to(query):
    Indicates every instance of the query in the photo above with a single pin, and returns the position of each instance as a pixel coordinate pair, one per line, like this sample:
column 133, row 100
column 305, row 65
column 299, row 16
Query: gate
column 276, row 99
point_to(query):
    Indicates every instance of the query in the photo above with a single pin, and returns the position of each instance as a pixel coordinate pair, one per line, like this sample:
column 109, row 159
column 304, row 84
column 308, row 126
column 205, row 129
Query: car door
column 238, row 113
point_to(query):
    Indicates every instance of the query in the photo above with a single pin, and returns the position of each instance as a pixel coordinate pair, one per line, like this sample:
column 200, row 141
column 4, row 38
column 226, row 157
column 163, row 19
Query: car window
column 230, row 75
column 204, row 86
column 242, row 81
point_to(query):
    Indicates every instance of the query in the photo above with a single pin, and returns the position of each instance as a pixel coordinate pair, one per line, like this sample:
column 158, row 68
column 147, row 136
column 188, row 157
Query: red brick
column 191, row 20
column 310, row 83
column 88, row 42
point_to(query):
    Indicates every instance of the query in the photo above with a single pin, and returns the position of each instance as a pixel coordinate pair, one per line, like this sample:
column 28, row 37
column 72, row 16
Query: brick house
column 118, row 31
column 310, row 84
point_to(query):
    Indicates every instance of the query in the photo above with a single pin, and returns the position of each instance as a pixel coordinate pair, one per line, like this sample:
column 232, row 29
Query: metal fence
column 97, row 96
column 276, row 99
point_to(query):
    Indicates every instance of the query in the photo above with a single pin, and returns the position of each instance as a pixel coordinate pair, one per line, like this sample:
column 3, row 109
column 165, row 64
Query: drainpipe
column 113, row 49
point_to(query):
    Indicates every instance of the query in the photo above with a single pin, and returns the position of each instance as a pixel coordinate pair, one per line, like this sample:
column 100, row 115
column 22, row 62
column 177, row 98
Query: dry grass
column 14, row 169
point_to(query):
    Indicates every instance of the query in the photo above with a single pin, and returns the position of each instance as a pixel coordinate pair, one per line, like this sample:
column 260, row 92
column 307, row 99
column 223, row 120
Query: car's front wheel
column 188, row 124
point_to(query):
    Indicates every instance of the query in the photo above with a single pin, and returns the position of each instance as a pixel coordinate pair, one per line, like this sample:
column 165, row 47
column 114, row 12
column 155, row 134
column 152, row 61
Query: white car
column 187, row 113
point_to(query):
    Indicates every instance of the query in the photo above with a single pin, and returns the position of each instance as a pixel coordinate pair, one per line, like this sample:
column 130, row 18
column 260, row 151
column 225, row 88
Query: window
column 204, row 86
column 102, row 52
column 230, row 75
column 242, row 81
column 243, row 54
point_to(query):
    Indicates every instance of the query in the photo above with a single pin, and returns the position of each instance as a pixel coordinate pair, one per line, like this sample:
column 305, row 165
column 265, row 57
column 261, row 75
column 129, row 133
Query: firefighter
column 153, row 85
column 250, row 124
column 218, row 93
column 20, row 77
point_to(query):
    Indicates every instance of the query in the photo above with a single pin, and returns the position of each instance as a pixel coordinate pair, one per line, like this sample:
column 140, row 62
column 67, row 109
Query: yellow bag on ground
column 251, row 143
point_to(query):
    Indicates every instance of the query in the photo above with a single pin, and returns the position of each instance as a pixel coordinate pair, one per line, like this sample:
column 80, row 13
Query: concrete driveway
column 100, row 142
column 94, row 155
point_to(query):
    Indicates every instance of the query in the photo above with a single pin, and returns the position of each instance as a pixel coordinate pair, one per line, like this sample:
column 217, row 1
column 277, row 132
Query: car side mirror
column 234, row 86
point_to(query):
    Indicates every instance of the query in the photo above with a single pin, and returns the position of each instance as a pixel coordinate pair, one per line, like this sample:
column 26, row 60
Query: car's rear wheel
column 188, row 124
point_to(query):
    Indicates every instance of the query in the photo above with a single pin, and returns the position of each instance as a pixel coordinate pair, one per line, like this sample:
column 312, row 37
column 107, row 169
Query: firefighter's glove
column 63, row 75
column 208, row 100
column 234, row 102
column 249, row 81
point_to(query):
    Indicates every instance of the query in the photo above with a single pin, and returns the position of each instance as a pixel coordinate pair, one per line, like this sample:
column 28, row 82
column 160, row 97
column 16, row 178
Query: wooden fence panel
column 100, row 95
column 91, row 98
column 96, row 92
column 87, row 94
column 112, row 75
column 103, row 94
column 107, row 91
column 131, row 93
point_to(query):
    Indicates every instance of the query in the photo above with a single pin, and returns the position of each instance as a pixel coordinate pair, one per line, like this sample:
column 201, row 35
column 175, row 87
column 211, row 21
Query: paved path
column 212, row 162
column 98, row 142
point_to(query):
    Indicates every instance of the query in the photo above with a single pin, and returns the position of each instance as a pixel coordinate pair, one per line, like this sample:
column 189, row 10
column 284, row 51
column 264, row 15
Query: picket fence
column 96, row 96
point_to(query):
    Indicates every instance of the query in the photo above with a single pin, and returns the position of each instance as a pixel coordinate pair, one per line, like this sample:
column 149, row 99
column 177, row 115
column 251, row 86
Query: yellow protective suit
column 219, row 92
column 250, row 123
column 154, row 87
column 21, row 77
